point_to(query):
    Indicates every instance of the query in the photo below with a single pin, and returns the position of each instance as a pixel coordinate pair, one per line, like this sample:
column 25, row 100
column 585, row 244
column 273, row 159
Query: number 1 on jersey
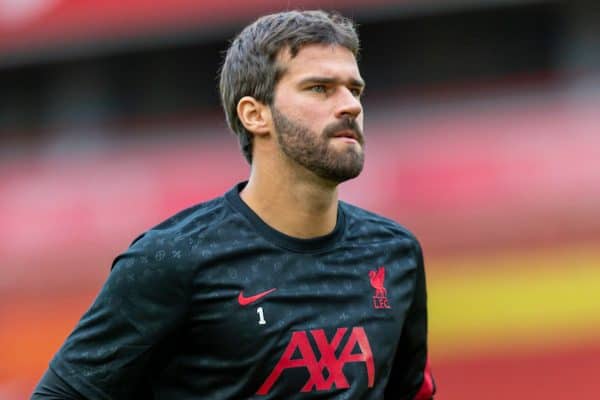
column 261, row 316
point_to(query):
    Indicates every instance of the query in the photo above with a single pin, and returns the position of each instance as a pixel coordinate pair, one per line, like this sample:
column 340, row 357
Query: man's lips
column 347, row 134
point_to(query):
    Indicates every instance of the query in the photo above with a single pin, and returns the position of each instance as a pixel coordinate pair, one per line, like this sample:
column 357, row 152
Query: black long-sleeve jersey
column 215, row 304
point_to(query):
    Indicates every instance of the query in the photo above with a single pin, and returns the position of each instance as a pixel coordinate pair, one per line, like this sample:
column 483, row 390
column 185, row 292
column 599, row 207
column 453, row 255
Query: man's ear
column 254, row 115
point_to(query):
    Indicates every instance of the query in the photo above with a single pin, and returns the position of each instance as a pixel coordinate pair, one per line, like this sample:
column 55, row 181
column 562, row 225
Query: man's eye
column 356, row 92
column 318, row 89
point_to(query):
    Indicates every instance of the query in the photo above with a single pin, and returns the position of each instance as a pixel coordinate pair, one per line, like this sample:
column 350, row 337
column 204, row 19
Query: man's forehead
column 325, row 60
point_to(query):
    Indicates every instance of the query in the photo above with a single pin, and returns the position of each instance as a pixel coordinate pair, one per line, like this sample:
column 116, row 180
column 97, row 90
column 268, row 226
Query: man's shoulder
column 368, row 223
column 193, row 221
column 177, row 239
column 199, row 215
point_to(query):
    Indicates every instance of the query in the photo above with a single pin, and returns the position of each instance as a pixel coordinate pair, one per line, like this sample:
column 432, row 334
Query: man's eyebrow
column 328, row 81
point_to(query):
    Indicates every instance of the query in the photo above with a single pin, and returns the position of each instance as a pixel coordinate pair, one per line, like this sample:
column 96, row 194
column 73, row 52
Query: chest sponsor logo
column 377, row 278
column 244, row 301
column 327, row 370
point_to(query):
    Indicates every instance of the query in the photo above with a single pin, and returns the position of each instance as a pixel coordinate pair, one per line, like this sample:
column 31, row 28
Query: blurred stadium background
column 483, row 138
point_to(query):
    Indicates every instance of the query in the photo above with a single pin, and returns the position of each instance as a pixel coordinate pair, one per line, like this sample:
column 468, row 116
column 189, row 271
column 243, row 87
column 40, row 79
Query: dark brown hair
column 250, row 67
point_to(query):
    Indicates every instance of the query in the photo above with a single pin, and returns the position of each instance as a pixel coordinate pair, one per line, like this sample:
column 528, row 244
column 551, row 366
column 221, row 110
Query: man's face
column 317, row 111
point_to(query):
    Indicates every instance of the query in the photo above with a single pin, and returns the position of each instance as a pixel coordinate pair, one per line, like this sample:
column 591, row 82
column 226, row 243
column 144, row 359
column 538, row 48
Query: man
column 276, row 290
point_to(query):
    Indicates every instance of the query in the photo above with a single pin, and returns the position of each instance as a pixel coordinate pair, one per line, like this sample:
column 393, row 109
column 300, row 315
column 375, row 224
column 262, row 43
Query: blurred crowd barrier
column 503, row 193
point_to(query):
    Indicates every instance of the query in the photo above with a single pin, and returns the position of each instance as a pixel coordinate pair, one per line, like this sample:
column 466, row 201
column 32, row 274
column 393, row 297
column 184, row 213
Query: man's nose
column 348, row 104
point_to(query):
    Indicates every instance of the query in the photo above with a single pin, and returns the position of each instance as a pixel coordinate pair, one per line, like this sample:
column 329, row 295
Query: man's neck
column 301, row 208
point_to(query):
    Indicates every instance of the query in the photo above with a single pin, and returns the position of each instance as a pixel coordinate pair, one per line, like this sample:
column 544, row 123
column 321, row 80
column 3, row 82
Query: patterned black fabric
column 215, row 304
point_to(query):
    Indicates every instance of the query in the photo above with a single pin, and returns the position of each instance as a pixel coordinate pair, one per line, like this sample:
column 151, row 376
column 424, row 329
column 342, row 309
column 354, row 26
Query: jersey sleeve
column 143, row 302
column 410, row 377
column 51, row 387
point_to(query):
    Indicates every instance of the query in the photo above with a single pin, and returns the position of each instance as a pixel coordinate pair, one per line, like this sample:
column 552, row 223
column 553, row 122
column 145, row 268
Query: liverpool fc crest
column 377, row 281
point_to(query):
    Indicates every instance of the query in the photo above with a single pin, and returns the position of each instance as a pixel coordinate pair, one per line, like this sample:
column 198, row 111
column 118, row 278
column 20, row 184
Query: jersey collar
column 312, row 245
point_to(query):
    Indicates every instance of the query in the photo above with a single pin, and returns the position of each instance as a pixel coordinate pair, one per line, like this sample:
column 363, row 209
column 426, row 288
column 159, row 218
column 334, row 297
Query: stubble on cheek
column 316, row 152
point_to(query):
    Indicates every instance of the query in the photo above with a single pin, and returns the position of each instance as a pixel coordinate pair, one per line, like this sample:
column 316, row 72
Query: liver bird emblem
column 377, row 278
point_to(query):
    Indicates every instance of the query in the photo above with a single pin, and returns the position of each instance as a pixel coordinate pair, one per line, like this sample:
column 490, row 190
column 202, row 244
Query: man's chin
column 340, row 175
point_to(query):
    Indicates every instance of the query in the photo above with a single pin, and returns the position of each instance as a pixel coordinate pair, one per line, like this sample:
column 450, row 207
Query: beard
column 314, row 152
